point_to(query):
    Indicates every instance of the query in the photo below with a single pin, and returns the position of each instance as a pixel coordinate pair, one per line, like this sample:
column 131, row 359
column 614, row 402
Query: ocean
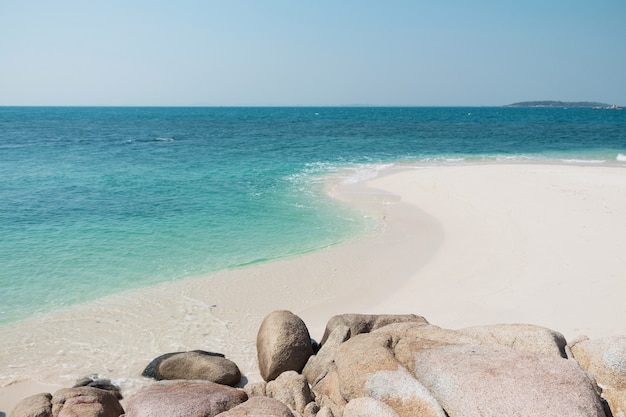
column 94, row 201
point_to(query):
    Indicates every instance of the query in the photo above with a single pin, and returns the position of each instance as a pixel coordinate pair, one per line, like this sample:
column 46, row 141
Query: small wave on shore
column 621, row 157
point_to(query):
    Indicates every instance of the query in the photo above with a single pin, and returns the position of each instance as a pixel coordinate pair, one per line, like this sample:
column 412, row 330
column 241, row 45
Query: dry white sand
column 460, row 245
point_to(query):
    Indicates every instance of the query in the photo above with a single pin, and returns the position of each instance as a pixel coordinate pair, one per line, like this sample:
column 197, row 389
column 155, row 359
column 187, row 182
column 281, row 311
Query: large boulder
column 259, row 407
column 365, row 323
column 194, row 365
column 85, row 402
column 368, row 407
column 38, row 405
column 366, row 367
column 408, row 338
column 291, row 389
column 184, row 399
column 604, row 359
column 490, row 381
column 525, row 337
column 283, row 344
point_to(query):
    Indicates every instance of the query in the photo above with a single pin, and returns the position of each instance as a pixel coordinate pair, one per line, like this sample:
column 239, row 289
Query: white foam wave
column 583, row 161
column 164, row 139
column 621, row 157
column 514, row 157
column 364, row 173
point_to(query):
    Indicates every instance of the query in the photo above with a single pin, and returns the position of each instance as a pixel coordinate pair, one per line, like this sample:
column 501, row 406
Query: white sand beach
column 460, row 245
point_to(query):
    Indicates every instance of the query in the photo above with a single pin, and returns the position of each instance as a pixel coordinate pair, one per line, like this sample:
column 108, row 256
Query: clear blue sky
column 296, row 52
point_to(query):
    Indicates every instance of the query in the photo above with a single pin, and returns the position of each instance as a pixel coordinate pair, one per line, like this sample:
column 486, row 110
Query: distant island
column 562, row 104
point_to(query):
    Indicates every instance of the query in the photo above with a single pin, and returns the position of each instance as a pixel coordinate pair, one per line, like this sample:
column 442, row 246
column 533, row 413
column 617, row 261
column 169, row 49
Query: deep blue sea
column 95, row 201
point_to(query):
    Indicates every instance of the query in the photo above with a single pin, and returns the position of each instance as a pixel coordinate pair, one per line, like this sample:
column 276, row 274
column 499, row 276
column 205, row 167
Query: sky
column 311, row 53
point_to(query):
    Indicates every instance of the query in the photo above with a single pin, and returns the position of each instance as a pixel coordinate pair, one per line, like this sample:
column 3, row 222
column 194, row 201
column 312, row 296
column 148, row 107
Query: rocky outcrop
column 283, row 344
column 368, row 365
column 38, row 405
column 184, row 399
column 194, row 365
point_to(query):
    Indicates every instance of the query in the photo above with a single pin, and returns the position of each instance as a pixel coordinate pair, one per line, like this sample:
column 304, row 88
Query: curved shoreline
column 461, row 245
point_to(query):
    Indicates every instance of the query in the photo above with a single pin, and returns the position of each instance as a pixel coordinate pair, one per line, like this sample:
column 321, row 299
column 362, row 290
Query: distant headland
column 563, row 104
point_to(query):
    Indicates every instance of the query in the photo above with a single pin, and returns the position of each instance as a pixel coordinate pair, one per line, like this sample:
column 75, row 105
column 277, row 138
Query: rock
column 368, row 407
column 604, row 359
column 95, row 381
column 365, row 323
column 616, row 402
column 328, row 387
column 38, row 405
column 366, row 367
column 525, row 337
column 256, row 389
column 85, row 402
column 408, row 338
column 489, row 381
column 327, row 412
column 317, row 366
column 259, row 407
column 194, row 365
column 184, row 399
column 283, row 344
column 311, row 410
column 291, row 389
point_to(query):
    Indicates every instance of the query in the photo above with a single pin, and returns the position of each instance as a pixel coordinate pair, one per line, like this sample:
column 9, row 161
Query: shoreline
column 460, row 245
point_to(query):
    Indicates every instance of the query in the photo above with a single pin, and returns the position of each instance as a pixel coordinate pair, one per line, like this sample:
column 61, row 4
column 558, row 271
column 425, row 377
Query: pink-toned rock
column 525, row 337
column 38, row 405
column 283, row 344
column 365, row 323
column 491, row 381
column 259, row 407
column 184, row 399
column 85, row 402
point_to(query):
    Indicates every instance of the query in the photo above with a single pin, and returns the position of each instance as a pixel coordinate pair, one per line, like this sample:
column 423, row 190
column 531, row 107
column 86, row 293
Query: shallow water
column 94, row 201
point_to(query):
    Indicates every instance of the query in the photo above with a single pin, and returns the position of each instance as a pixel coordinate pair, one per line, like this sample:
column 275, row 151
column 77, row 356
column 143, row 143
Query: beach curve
column 461, row 245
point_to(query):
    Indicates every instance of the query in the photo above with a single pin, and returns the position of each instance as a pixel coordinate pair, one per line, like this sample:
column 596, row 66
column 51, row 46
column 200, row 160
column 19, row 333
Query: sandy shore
column 460, row 245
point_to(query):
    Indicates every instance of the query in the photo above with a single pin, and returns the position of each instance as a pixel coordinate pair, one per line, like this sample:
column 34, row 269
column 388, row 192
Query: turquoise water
column 95, row 201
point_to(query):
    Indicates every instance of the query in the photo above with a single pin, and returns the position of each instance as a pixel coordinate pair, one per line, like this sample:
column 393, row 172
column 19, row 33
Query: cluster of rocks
column 372, row 365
